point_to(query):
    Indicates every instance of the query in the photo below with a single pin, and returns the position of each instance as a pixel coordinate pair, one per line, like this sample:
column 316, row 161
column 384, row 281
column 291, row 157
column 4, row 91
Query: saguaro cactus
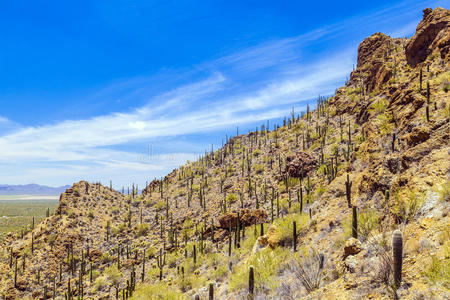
column 251, row 281
column 348, row 187
column 354, row 223
column 161, row 261
column 211, row 291
column 294, row 235
column 397, row 253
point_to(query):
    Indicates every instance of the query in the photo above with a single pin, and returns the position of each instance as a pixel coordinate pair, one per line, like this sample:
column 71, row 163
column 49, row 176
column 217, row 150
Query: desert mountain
column 350, row 200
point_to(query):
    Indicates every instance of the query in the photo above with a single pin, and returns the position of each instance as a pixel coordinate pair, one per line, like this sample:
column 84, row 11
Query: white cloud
column 87, row 149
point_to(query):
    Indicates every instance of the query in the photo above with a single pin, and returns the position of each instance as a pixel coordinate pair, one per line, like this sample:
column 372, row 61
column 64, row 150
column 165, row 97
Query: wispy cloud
column 251, row 85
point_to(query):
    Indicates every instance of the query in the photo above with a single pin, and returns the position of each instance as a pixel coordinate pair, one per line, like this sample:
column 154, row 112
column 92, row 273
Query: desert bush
column 406, row 205
column 114, row 275
column 259, row 168
column 256, row 152
column 100, row 283
column 438, row 270
column 367, row 222
column 118, row 229
column 231, row 198
column 309, row 269
column 444, row 191
column 384, row 122
column 379, row 106
column 159, row 205
column 284, row 227
column 142, row 229
column 265, row 263
column 158, row 291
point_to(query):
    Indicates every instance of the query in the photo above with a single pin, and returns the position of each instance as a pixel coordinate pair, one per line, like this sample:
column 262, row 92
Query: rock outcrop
column 300, row 164
column 247, row 217
column 431, row 33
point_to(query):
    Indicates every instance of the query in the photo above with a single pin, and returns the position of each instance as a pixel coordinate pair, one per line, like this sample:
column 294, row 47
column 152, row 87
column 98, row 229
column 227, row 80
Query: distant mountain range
column 31, row 189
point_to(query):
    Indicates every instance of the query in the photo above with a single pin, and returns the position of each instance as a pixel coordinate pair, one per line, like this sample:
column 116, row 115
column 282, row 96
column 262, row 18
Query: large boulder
column 300, row 164
column 247, row 217
column 418, row 135
column 431, row 33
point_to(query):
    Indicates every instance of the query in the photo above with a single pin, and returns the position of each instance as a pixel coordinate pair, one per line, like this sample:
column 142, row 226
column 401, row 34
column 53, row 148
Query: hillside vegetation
column 347, row 201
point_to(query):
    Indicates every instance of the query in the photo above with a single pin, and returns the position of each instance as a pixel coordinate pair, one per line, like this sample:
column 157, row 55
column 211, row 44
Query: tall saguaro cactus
column 348, row 188
column 161, row 261
column 251, row 282
column 354, row 223
column 397, row 253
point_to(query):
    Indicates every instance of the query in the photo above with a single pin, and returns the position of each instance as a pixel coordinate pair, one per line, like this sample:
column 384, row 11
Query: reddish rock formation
column 432, row 32
column 247, row 217
column 300, row 164
column 372, row 55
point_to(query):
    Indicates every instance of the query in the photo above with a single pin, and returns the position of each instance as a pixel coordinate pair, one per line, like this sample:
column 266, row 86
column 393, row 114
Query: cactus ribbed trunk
column 211, row 291
column 355, row 223
column 251, row 281
column 294, row 235
column 397, row 253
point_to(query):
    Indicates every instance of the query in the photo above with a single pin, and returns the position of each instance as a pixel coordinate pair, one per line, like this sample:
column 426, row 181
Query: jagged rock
column 351, row 264
column 247, row 217
column 95, row 254
column 250, row 217
column 371, row 57
column 300, row 164
column 431, row 33
column 228, row 220
column 352, row 246
column 418, row 135
column 272, row 237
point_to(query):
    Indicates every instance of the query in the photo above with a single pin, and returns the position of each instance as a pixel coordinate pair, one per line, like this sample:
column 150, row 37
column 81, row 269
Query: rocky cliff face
column 377, row 150
column 431, row 34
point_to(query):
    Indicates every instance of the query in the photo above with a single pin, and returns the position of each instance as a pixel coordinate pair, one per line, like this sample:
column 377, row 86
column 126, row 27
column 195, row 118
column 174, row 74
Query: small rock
column 272, row 237
column 352, row 246
column 351, row 263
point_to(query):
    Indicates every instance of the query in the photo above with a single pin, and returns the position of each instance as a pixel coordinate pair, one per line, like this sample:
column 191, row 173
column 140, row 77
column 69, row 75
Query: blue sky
column 88, row 87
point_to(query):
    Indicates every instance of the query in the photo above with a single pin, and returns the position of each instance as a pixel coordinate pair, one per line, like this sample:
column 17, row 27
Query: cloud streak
column 252, row 85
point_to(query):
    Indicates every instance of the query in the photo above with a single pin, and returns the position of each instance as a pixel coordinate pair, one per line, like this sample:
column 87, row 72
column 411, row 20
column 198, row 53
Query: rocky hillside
column 347, row 201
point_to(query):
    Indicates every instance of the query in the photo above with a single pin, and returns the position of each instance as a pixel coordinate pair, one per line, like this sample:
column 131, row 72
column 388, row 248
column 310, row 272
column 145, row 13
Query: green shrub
column 100, row 283
column 265, row 263
column 259, row 168
column 284, row 227
column 231, row 198
column 256, row 152
column 157, row 291
column 367, row 222
column 114, row 275
column 118, row 229
column 406, row 205
column 384, row 122
column 160, row 205
column 379, row 106
column 438, row 271
column 142, row 229
column 444, row 191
